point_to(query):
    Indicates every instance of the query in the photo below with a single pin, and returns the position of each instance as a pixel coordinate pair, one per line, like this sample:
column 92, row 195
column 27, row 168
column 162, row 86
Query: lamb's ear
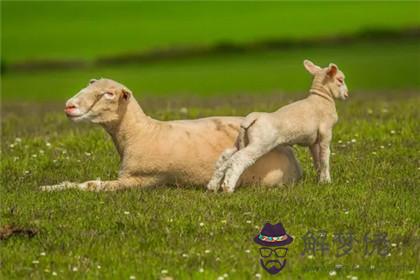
column 311, row 67
column 92, row 81
column 332, row 70
column 126, row 94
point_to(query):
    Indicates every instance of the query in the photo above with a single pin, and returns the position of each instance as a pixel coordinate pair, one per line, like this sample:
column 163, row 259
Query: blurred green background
column 85, row 31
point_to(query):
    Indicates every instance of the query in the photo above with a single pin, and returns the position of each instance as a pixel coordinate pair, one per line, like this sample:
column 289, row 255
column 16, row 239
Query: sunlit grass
column 190, row 233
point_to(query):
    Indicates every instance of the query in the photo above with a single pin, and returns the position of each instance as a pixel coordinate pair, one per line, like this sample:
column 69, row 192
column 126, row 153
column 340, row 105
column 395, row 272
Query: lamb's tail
column 242, row 139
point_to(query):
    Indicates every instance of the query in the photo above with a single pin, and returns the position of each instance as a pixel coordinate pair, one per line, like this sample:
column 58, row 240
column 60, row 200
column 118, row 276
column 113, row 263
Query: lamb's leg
column 241, row 161
column 219, row 171
column 324, row 153
column 98, row 185
column 315, row 156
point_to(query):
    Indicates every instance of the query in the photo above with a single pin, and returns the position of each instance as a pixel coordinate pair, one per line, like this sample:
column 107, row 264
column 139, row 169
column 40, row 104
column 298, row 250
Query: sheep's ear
column 332, row 70
column 126, row 94
column 311, row 67
column 92, row 81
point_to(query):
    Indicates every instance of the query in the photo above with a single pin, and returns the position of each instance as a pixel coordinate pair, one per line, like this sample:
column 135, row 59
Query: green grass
column 375, row 179
column 92, row 29
column 385, row 66
column 142, row 232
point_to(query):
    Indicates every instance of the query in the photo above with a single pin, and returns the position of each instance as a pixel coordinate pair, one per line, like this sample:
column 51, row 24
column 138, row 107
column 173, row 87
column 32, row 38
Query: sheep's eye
column 108, row 95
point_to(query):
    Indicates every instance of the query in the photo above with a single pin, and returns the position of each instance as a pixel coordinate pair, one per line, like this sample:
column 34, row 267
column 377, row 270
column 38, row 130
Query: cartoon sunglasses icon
column 266, row 252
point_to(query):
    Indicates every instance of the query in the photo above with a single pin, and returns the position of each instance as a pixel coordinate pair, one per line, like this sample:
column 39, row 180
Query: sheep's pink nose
column 69, row 107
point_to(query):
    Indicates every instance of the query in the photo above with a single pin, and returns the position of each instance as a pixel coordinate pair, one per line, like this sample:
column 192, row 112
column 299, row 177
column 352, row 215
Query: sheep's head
column 330, row 78
column 101, row 101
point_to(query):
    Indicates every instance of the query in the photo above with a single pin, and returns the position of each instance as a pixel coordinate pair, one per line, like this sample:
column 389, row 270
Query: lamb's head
column 102, row 101
column 329, row 78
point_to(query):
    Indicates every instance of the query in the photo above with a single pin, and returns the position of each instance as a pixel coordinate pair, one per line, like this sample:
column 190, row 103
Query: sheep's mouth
column 70, row 115
column 77, row 114
column 73, row 115
column 76, row 117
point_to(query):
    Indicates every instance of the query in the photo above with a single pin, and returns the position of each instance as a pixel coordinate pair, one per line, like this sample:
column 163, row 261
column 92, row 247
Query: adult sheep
column 154, row 152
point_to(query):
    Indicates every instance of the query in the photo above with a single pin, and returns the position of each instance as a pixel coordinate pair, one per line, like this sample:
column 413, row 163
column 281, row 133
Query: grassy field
column 185, row 232
column 89, row 29
column 144, row 232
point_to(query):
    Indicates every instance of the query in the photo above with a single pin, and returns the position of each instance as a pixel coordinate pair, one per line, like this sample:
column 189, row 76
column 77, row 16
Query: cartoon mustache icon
column 273, row 266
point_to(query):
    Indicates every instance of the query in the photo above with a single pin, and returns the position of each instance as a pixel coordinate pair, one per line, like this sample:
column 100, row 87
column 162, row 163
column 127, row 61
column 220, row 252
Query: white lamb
column 307, row 122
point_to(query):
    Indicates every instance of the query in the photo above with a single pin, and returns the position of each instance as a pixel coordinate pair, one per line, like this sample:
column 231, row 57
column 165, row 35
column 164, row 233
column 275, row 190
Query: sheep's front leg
column 315, row 149
column 94, row 185
column 98, row 185
column 220, row 168
column 324, row 153
column 59, row 187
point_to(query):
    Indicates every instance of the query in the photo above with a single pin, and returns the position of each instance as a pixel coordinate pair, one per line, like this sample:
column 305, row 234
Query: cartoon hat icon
column 273, row 235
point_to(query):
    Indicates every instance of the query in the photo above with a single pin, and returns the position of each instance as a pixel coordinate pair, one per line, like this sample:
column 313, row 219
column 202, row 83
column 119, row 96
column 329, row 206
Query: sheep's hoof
column 48, row 188
column 58, row 187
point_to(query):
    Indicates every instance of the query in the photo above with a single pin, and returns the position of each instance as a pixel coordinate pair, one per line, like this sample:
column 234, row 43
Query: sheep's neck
column 132, row 121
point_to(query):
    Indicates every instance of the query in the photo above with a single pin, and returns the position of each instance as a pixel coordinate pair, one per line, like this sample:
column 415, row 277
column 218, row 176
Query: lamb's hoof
column 213, row 187
column 325, row 180
column 227, row 189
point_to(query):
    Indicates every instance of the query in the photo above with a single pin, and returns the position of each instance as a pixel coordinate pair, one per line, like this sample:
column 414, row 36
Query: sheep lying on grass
column 307, row 122
column 155, row 152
